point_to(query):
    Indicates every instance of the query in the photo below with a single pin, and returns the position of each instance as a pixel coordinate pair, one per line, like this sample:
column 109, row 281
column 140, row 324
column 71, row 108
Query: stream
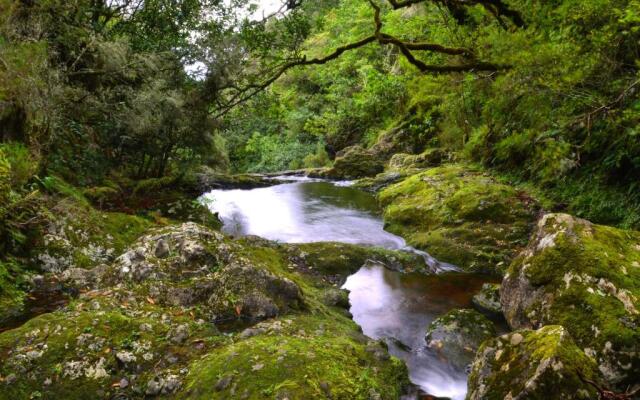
column 387, row 305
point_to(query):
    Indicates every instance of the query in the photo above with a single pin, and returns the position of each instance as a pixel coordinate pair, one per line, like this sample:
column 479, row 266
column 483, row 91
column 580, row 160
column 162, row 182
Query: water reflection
column 303, row 212
column 385, row 304
column 400, row 307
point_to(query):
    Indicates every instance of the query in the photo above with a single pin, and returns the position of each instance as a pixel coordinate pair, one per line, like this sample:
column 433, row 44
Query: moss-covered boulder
column 301, row 358
column 432, row 157
column 457, row 335
column 487, row 300
column 356, row 162
column 533, row 365
column 79, row 236
column 339, row 260
column 460, row 216
column 585, row 277
column 187, row 265
column 378, row 182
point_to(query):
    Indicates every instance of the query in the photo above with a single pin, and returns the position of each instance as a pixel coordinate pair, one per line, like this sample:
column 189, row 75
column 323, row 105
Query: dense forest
column 502, row 137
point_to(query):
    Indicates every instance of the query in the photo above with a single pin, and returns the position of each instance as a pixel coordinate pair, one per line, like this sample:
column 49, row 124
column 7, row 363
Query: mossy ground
column 460, row 216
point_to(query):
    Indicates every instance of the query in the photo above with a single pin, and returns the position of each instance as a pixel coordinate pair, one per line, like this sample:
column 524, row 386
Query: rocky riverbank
column 163, row 304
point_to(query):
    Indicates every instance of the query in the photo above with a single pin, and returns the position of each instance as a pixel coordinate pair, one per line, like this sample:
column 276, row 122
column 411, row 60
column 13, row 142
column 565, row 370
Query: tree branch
column 499, row 8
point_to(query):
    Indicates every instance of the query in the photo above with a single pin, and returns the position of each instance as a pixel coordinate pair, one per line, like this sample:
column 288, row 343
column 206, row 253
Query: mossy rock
column 378, row 182
column 150, row 326
column 458, row 334
column 206, row 179
column 79, row 236
column 432, row 157
column 356, row 162
column 303, row 358
column 188, row 265
column 460, row 216
column 585, row 277
column 343, row 259
column 80, row 352
column 534, row 365
column 487, row 300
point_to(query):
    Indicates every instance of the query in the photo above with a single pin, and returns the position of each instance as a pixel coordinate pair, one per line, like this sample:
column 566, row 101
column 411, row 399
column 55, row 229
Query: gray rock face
column 543, row 364
column 487, row 301
column 458, row 334
column 585, row 277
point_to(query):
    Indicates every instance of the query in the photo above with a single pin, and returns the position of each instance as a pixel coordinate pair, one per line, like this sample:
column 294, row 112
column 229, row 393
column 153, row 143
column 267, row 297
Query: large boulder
column 458, row 334
column 585, row 277
column 532, row 365
column 460, row 216
column 356, row 162
column 188, row 265
column 410, row 136
column 432, row 157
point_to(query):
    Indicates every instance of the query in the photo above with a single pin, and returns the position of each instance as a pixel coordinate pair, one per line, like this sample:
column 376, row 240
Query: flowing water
column 386, row 304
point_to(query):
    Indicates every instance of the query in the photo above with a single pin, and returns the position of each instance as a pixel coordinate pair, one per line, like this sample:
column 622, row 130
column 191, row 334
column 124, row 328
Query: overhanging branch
column 406, row 48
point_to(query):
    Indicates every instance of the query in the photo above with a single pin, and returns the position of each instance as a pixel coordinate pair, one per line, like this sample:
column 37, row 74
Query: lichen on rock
column 584, row 277
column 533, row 365
column 150, row 324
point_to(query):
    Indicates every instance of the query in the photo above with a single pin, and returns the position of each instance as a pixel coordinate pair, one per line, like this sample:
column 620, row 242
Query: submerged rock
column 487, row 300
column 460, row 216
column 458, row 334
column 339, row 260
column 536, row 365
column 585, row 277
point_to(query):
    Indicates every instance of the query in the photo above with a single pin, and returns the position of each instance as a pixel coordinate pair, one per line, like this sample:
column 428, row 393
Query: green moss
column 411, row 162
column 72, row 354
column 460, row 216
column 356, row 162
column 343, row 259
column 535, row 365
column 589, row 281
column 307, row 357
column 80, row 236
column 12, row 295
